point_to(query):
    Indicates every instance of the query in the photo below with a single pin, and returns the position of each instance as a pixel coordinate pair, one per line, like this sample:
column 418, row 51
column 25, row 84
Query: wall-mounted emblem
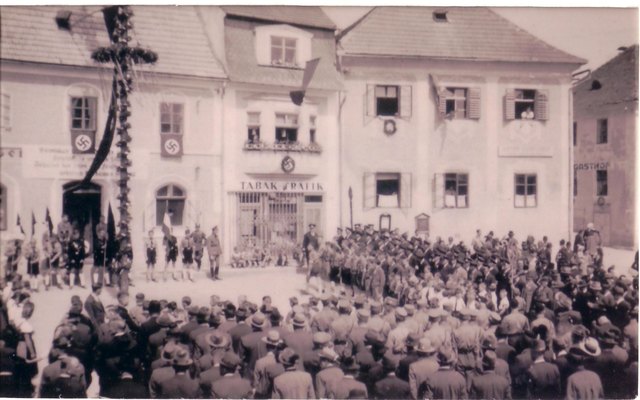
column 288, row 164
column 390, row 127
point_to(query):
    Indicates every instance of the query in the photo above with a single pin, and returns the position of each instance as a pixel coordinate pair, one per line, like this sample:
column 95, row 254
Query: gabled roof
column 176, row 34
column 310, row 16
column 617, row 80
column 470, row 33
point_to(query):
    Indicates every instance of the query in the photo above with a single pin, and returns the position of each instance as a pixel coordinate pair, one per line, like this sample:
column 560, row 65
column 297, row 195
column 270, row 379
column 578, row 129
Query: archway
column 81, row 204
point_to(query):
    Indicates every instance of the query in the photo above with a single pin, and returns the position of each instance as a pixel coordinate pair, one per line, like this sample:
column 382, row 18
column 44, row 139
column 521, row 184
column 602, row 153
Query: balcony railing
column 282, row 146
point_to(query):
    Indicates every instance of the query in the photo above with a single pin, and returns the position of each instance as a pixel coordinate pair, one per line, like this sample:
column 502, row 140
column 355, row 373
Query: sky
column 590, row 33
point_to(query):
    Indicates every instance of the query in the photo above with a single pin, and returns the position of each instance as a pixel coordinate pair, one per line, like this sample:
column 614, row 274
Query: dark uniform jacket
column 95, row 309
column 489, row 385
column 392, row 387
column 180, row 386
column 231, row 386
column 126, row 388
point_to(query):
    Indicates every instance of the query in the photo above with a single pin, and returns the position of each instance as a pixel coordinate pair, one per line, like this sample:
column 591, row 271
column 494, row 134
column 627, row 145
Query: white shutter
column 438, row 191
column 369, row 190
column 442, row 101
column 541, row 106
column 405, row 190
column 510, row 105
column 406, row 103
column 370, row 101
column 473, row 103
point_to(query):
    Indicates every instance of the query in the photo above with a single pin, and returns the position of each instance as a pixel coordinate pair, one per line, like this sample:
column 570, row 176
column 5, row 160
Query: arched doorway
column 81, row 203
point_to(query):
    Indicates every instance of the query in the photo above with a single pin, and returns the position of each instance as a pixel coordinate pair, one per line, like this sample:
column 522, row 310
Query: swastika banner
column 170, row 145
column 83, row 142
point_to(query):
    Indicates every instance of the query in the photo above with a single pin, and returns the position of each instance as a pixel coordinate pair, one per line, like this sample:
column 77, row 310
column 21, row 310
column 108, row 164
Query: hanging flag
column 166, row 224
column 297, row 96
column 171, row 144
column 33, row 224
column 107, row 138
column 19, row 224
column 49, row 222
column 112, row 243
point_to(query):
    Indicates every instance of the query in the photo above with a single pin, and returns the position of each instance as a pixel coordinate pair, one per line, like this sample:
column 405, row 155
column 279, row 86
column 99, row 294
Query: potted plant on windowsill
column 254, row 145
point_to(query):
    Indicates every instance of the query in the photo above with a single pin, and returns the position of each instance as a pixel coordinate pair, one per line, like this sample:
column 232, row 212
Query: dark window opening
column 603, row 131
column 596, row 85
column 602, row 188
column 170, row 199
column 387, row 100
column 253, row 127
column 313, row 199
column 387, row 190
column 440, row 16
column 286, row 128
column 525, row 104
column 456, row 103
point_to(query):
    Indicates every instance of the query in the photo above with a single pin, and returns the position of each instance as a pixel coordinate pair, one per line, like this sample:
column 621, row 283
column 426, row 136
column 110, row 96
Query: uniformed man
column 151, row 256
column 99, row 257
column 76, row 253
column 199, row 240
column 214, row 249
column 310, row 241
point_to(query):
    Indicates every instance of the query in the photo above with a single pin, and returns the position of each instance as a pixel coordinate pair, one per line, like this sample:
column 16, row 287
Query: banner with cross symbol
column 83, row 142
column 171, row 145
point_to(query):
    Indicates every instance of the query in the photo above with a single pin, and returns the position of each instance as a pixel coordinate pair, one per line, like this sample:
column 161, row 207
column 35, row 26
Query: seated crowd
column 391, row 317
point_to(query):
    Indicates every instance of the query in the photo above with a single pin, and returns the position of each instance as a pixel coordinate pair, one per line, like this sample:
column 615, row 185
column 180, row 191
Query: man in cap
column 330, row 373
column 322, row 320
column 181, row 385
column 214, row 249
column 310, row 241
column 311, row 358
column 349, row 382
column 467, row 339
column 543, row 377
column 488, row 384
column 231, row 385
column 391, row 387
column 446, row 382
column 376, row 322
column 249, row 344
column 293, row 383
column 162, row 369
column 420, row 370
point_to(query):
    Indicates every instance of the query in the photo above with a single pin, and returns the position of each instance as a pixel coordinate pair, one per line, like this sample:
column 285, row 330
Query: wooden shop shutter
column 438, row 191
column 406, row 103
column 473, row 103
column 541, row 106
column 369, row 190
column 510, row 105
column 405, row 190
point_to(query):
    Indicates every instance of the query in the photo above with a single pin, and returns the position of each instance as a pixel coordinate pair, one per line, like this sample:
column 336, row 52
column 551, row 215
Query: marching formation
column 388, row 316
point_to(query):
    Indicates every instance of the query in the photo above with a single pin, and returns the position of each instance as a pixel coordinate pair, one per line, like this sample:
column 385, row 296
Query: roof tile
column 310, row 16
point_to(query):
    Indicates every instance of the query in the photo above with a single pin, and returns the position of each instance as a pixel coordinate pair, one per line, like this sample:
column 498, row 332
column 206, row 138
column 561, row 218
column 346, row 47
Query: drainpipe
column 222, row 223
column 341, row 100
column 571, row 171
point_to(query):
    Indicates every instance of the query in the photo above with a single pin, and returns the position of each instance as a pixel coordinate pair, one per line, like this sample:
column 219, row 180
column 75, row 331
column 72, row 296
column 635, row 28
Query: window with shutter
column 369, row 190
column 541, row 106
column 442, row 101
column 405, row 190
column 473, row 103
column 509, row 105
column 406, row 103
column 438, row 191
column 388, row 186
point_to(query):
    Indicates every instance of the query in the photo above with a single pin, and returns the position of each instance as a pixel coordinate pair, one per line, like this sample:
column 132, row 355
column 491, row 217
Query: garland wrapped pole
column 123, row 57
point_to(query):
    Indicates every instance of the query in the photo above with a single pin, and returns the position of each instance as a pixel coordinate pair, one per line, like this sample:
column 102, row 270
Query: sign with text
column 60, row 162
column 591, row 166
column 281, row 186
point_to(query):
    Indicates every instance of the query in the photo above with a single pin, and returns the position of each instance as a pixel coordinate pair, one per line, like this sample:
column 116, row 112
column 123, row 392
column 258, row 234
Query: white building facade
column 448, row 131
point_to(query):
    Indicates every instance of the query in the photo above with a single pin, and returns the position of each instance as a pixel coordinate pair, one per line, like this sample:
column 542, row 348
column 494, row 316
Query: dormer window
column 283, row 51
column 282, row 46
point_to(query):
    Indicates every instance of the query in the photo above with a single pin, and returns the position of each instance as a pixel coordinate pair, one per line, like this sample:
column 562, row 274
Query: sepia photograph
column 359, row 201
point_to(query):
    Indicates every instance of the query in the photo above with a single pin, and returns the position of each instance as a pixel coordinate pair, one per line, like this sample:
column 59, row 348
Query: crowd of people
column 388, row 316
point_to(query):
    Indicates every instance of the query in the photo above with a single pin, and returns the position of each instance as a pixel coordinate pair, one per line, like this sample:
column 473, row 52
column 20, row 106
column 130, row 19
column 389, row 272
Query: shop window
column 171, row 118
column 3, row 207
column 526, row 191
column 286, row 128
column 602, row 188
column 387, row 190
column 526, row 104
column 603, row 131
column 575, row 133
column 253, row 127
column 313, row 199
column 312, row 129
column 83, row 113
column 283, row 51
column 5, row 112
column 170, row 199
column 389, row 101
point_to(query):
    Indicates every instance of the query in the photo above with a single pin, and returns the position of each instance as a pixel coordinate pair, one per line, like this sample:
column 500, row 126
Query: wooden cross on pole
column 123, row 57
